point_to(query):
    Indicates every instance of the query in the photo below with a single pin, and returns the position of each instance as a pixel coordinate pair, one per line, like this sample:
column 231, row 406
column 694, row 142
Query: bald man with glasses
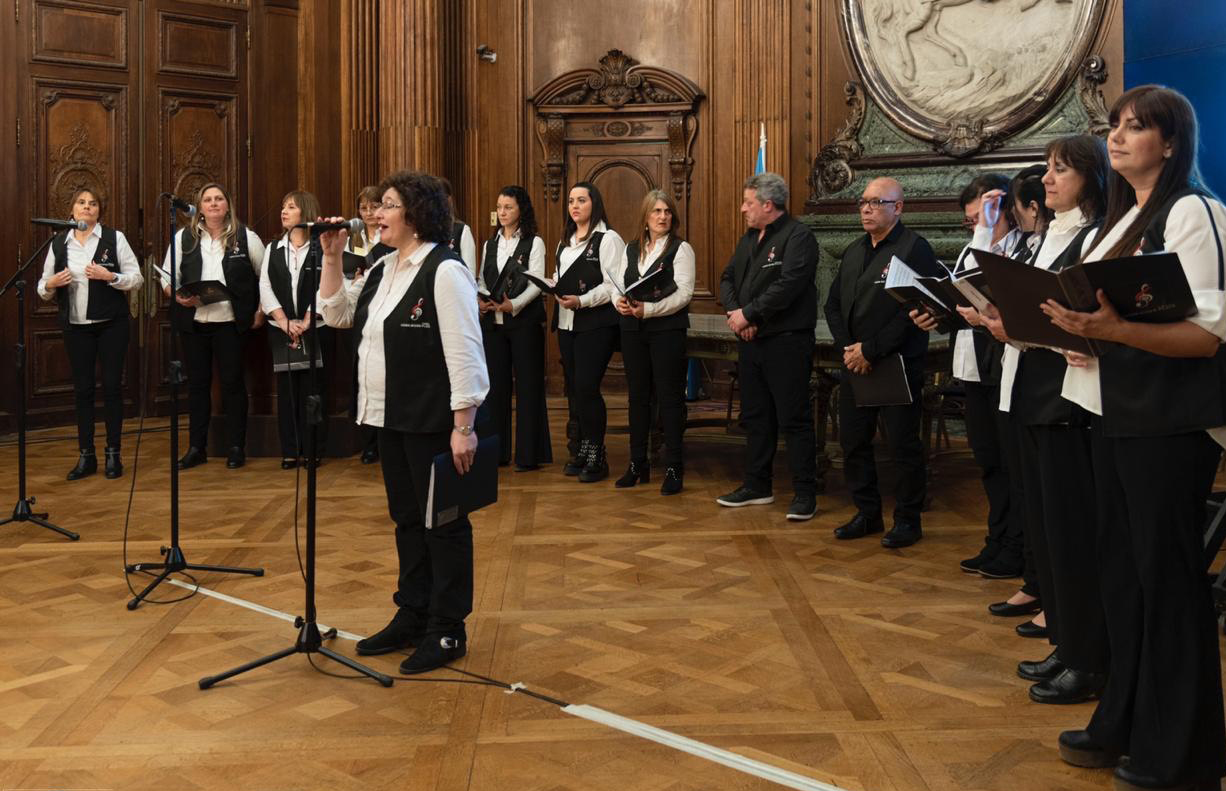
column 869, row 326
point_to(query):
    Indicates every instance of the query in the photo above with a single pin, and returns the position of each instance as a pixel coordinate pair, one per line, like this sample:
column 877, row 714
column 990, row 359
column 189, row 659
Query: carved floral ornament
column 73, row 165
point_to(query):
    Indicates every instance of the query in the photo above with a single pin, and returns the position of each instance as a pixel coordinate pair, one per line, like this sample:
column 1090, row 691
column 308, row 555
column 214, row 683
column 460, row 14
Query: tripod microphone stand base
column 175, row 562
column 309, row 641
column 22, row 512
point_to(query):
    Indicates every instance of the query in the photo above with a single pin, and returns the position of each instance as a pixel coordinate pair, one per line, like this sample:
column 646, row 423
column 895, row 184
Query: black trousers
column 1163, row 702
column 656, row 360
column 585, row 358
column 88, row 345
column 1019, row 507
column 293, row 388
column 436, row 564
column 986, row 433
column 516, row 359
column 858, row 426
column 774, row 374
column 220, row 341
column 1062, row 519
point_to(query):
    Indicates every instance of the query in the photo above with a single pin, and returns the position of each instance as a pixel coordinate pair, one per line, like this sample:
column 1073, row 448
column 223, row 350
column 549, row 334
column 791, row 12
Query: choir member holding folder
column 87, row 273
column 513, row 329
column 362, row 250
column 421, row 377
column 1152, row 393
column 654, row 283
column 216, row 246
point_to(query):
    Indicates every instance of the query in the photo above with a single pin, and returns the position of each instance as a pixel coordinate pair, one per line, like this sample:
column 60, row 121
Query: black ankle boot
column 637, row 472
column 86, row 465
column 114, row 467
column 672, row 481
column 597, row 467
column 578, row 461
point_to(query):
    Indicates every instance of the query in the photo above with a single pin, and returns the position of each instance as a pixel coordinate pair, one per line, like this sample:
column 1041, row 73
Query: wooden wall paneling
column 80, row 34
column 275, row 128
column 411, row 112
column 359, row 106
column 12, row 234
column 319, row 106
column 198, row 46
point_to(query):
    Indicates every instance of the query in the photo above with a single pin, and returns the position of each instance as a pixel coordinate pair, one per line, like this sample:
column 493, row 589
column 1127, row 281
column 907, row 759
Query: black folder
column 292, row 358
column 499, row 289
column 931, row 295
column 451, row 495
column 544, row 284
column 581, row 277
column 884, row 385
column 208, row 291
column 636, row 291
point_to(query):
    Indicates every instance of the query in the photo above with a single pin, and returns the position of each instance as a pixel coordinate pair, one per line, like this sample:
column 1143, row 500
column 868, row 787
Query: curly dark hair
column 527, row 214
column 426, row 206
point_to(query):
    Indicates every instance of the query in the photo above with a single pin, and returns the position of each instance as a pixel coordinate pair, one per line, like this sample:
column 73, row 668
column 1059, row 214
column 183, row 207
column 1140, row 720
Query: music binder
column 292, row 358
column 545, row 284
column 974, row 288
column 451, row 495
column 884, row 385
column 928, row 294
column 498, row 291
column 208, row 291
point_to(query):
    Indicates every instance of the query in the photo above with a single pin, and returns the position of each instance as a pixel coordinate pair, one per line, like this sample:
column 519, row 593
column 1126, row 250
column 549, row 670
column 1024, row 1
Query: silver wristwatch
column 465, row 430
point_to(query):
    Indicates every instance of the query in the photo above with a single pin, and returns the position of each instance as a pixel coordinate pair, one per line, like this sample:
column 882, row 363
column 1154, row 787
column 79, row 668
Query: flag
column 759, row 165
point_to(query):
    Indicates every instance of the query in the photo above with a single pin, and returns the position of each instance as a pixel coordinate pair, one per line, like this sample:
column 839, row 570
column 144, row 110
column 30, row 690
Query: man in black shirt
column 770, row 295
column 869, row 326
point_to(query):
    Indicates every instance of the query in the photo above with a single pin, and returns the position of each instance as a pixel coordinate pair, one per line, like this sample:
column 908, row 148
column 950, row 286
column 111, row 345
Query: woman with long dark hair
column 86, row 272
column 513, row 329
column 1153, row 394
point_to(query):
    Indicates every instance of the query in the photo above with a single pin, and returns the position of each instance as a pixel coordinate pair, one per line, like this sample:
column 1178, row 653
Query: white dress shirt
column 294, row 260
column 1060, row 234
column 352, row 245
column 468, row 248
column 1189, row 234
column 683, row 275
column 459, row 325
column 611, row 247
column 965, row 364
column 212, row 254
column 128, row 278
column 536, row 266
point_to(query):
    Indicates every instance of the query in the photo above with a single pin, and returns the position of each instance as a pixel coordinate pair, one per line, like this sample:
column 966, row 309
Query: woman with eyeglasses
column 362, row 250
column 87, row 273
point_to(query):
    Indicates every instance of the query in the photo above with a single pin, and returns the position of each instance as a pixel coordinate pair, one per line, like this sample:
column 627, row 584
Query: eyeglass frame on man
column 873, row 203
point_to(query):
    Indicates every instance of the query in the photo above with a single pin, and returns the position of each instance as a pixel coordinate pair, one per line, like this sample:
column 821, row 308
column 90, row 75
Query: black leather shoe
column 194, row 456
column 999, row 568
column 637, row 472
column 803, row 507
column 1130, row 778
column 972, row 565
column 434, row 652
column 289, row 463
column 1043, row 670
column 1078, row 749
column 577, row 462
column 860, row 526
column 672, row 481
column 114, row 466
column 1071, row 686
column 597, row 467
column 1004, row 609
column 370, row 456
column 743, row 495
column 902, row 535
column 1030, row 629
column 526, row 467
column 87, row 464
column 236, row 458
column 405, row 630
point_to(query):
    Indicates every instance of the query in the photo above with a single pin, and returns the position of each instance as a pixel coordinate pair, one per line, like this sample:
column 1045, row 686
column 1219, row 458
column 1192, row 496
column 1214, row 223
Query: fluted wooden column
column 413, row 51
column 360, row 75
column 762, row 90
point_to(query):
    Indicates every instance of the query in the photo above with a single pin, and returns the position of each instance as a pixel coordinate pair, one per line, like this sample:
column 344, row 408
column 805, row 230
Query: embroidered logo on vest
column 417, row 310
column 106, row 257
column 771, row 255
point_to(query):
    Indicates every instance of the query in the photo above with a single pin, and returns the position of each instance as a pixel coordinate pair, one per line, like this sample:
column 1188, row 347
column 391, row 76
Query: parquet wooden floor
column 841, row 662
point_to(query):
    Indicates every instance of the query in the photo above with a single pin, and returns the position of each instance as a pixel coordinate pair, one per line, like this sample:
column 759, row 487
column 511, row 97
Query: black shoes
column 114, row 467
column 803, row 507
column 405, row 630
column 236, row 458
column 637, row 472
column 370, row 456
column 1004, row 609
column 1043, row 670
column 87, row 464
column 434, row 652
column 743, row 496
column 903, row 534
column 1030, row 629
column 289, row 462
column 577, row 462
column 526, row 467
column 1071, row 686
column 672, row 481
column 194, row 457
column 972, row 565
column 999, row 568
column 1078, row 749
column 1129, row 778
column 597, row 467
column 860, row 526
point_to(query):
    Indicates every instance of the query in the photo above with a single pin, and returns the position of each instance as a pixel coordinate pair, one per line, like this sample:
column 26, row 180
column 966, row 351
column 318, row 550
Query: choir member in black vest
column 365, row 243
column 286, row 289
column 870, row 325
column 513, row 328
column 769, row 293
column 654, row 318
column 421, row 377
column 87, row 273
column 586, row 323
column 461, row 239
column 1154, row 392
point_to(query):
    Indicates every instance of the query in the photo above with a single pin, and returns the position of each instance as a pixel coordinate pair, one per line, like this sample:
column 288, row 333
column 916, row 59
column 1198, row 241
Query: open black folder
column 209, row 291
column 633, row 292
column 451, row 495
column 934, row 296
column 1148, row 288
column 884, row 385
column 498, row 290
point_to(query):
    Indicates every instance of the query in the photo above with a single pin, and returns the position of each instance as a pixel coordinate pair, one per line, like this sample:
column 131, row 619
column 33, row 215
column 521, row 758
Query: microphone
column 352, row 226
column 180, row 204
column 60, row 225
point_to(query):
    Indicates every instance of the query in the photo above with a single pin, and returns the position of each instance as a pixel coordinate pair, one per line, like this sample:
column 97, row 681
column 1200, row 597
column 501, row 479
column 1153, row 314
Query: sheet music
column 902, row 275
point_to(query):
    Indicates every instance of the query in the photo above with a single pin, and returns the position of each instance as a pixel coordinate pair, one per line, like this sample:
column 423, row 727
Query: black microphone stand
column 175, row 561
column 309, row 641
column 23, row 511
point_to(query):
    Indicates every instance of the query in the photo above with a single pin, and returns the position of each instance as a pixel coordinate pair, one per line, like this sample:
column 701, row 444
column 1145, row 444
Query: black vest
column 457, row 234
column 662, row 286
column 294, row 304
column 587, row 272
column 1040, row 372
column 512, row 286
column 865, row 305
column 104, row 301
column 1148, row 395
column 240, row 279
column 417, row 397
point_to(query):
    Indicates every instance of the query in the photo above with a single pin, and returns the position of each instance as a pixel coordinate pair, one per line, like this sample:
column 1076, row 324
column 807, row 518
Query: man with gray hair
column 770, row 296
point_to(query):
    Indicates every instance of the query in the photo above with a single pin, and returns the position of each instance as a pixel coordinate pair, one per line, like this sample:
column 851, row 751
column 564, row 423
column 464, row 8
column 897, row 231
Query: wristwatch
column 465, row 430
